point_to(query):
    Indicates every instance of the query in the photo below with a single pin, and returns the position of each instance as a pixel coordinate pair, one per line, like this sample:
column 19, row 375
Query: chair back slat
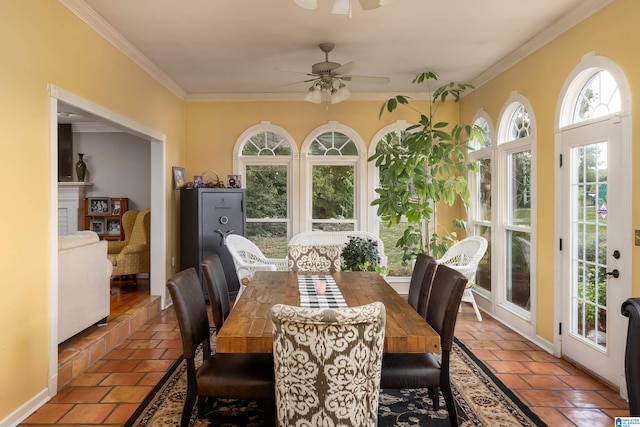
column 442, row 311
column 218, row 289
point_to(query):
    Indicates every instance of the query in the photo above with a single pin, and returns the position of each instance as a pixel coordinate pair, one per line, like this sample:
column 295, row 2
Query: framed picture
column 113, row 226
column 197, row 181
column 116, row 207
column 178, row 177
column 235, row 181
column 97, row 226
column 99, row 205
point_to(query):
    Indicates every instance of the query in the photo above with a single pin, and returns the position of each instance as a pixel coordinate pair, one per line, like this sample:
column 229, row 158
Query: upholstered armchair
column 131, row 256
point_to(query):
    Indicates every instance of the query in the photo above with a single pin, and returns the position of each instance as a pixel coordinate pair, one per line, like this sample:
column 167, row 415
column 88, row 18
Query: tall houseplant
column 426, row 166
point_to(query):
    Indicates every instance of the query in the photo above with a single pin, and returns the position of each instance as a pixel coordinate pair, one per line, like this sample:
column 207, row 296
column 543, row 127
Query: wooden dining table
column 248, row 327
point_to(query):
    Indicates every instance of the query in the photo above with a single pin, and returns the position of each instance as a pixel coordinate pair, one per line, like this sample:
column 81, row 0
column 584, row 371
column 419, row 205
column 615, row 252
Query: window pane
column 332, row 192
column 483, row 191
column 266, row 144
column 483, row 275
column 266, row 191
column 389, row 236
column 333, row 144
column 519, row 125
column 520, row 188
column 518, row 277
column 486, row 135
column 599, row 96
column 270, row 237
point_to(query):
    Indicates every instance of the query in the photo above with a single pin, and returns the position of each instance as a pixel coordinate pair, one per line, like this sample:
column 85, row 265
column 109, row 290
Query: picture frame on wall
column 97, row 226
column 235, row 181
column 179, row 179
column 99, row 205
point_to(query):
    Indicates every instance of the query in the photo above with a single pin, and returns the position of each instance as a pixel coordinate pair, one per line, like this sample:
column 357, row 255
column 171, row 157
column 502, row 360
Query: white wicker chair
column 323, row 238
column 248, row 258
column 464, row 256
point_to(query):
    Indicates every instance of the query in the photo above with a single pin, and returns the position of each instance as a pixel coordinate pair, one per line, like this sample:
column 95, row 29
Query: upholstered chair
column 422, row 370
column 327, row 364
column 222, row 375
column 312, row 258
column 131, row 256
column 420, row 283
column 631, row 309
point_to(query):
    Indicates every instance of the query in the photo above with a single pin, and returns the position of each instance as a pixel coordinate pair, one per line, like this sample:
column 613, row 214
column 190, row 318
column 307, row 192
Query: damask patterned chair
column 131, row 256
column 312, row 258
column 327, row 364
column 224, row 375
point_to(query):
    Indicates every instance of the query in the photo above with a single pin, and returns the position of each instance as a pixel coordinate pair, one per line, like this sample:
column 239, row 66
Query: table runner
column 308, row 298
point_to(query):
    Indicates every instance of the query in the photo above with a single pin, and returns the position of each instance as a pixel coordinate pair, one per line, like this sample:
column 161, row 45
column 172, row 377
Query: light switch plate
column 637, row 237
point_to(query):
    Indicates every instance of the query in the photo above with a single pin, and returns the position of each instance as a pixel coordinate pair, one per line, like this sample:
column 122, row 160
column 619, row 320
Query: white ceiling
column 233, row 49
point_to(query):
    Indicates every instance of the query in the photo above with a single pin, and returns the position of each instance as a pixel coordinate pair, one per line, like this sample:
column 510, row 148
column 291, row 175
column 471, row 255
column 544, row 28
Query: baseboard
column 28, row 408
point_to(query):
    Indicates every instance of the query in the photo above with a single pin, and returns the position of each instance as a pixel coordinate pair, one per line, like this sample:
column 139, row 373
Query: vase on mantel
column 81, row 168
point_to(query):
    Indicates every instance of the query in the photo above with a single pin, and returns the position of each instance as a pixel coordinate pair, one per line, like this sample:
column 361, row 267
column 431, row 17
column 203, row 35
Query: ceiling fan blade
column 367, row 79
column 293, row 71
column 294, row 83
column 373, row 4
column 346, row 68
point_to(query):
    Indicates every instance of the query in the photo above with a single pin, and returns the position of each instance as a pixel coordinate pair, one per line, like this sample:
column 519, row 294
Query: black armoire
column 207, row 215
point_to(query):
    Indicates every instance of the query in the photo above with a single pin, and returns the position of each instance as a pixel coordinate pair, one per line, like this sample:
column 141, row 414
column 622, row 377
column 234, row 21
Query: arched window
column 266, row 157
column 598, row 97
column 481, row 186
column 513, row 244
column 389, row 235
column 333, row 179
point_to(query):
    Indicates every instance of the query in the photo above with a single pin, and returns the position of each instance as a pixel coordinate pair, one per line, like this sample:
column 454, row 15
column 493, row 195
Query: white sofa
column 84, row 273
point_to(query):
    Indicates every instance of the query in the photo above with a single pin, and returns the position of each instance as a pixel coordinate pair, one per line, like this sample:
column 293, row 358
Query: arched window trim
column 481, row 152
column 588, row 66
column 240, row 162
column 360, row 172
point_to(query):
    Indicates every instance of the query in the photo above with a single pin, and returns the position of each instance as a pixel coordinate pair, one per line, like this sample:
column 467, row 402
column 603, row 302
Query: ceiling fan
column 328, row 79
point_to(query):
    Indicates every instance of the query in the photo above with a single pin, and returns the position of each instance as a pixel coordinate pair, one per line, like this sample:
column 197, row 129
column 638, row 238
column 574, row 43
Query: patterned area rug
column 481, row 398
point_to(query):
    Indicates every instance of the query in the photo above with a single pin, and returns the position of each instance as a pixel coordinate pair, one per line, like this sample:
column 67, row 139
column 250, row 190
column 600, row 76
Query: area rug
column 481, row 399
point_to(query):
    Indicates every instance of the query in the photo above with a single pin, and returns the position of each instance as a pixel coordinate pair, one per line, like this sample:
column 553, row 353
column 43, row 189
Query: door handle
column 615, row 273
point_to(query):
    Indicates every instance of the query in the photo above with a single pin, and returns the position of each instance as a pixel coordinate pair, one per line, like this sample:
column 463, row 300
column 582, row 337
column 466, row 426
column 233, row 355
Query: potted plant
column 424, row 167
column 361, row 254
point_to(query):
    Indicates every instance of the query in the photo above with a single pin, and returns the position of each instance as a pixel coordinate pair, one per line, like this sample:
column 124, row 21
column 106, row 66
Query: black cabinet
column 207, row 215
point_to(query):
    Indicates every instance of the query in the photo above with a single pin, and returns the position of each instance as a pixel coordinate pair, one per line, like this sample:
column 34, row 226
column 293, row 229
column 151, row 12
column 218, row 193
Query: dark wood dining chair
column 417, row 276
column 222, row 375
column 216, row 282
column 631, row 309
column 422, row 370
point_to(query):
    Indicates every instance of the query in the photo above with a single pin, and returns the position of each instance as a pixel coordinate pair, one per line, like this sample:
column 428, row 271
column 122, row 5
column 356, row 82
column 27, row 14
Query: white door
column 595, row 247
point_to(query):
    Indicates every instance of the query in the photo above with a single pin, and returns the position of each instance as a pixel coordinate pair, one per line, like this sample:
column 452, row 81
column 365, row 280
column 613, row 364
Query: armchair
column 131, row 256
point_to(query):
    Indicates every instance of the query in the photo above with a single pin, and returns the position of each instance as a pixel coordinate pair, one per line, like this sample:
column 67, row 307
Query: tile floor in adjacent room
column 111, row 389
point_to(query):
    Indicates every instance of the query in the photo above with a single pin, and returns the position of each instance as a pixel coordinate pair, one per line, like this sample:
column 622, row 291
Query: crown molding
column 293, row 97
column 554, row 30
column 102, row 27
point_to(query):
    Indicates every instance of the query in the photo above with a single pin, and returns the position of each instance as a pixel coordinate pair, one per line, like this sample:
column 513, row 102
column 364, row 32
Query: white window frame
column 291, row 161
column 519, row 319
column 476, row 155
column 359, row 162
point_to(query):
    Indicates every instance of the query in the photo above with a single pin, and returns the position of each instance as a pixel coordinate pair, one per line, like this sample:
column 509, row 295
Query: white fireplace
column 70, row 197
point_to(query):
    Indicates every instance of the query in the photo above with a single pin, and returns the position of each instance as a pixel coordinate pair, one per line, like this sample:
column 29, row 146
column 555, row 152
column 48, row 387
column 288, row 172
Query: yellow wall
column 613, row 33
column 213, row 129
column 42, row 42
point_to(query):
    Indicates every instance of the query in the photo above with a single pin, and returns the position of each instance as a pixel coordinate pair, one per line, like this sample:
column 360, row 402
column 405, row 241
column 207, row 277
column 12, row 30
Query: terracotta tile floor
column 111, row 389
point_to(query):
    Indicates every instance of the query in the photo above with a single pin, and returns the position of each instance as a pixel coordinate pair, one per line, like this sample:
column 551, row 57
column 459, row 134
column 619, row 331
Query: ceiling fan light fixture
column 341, row 7
column 314, row 94
column 307, row 4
